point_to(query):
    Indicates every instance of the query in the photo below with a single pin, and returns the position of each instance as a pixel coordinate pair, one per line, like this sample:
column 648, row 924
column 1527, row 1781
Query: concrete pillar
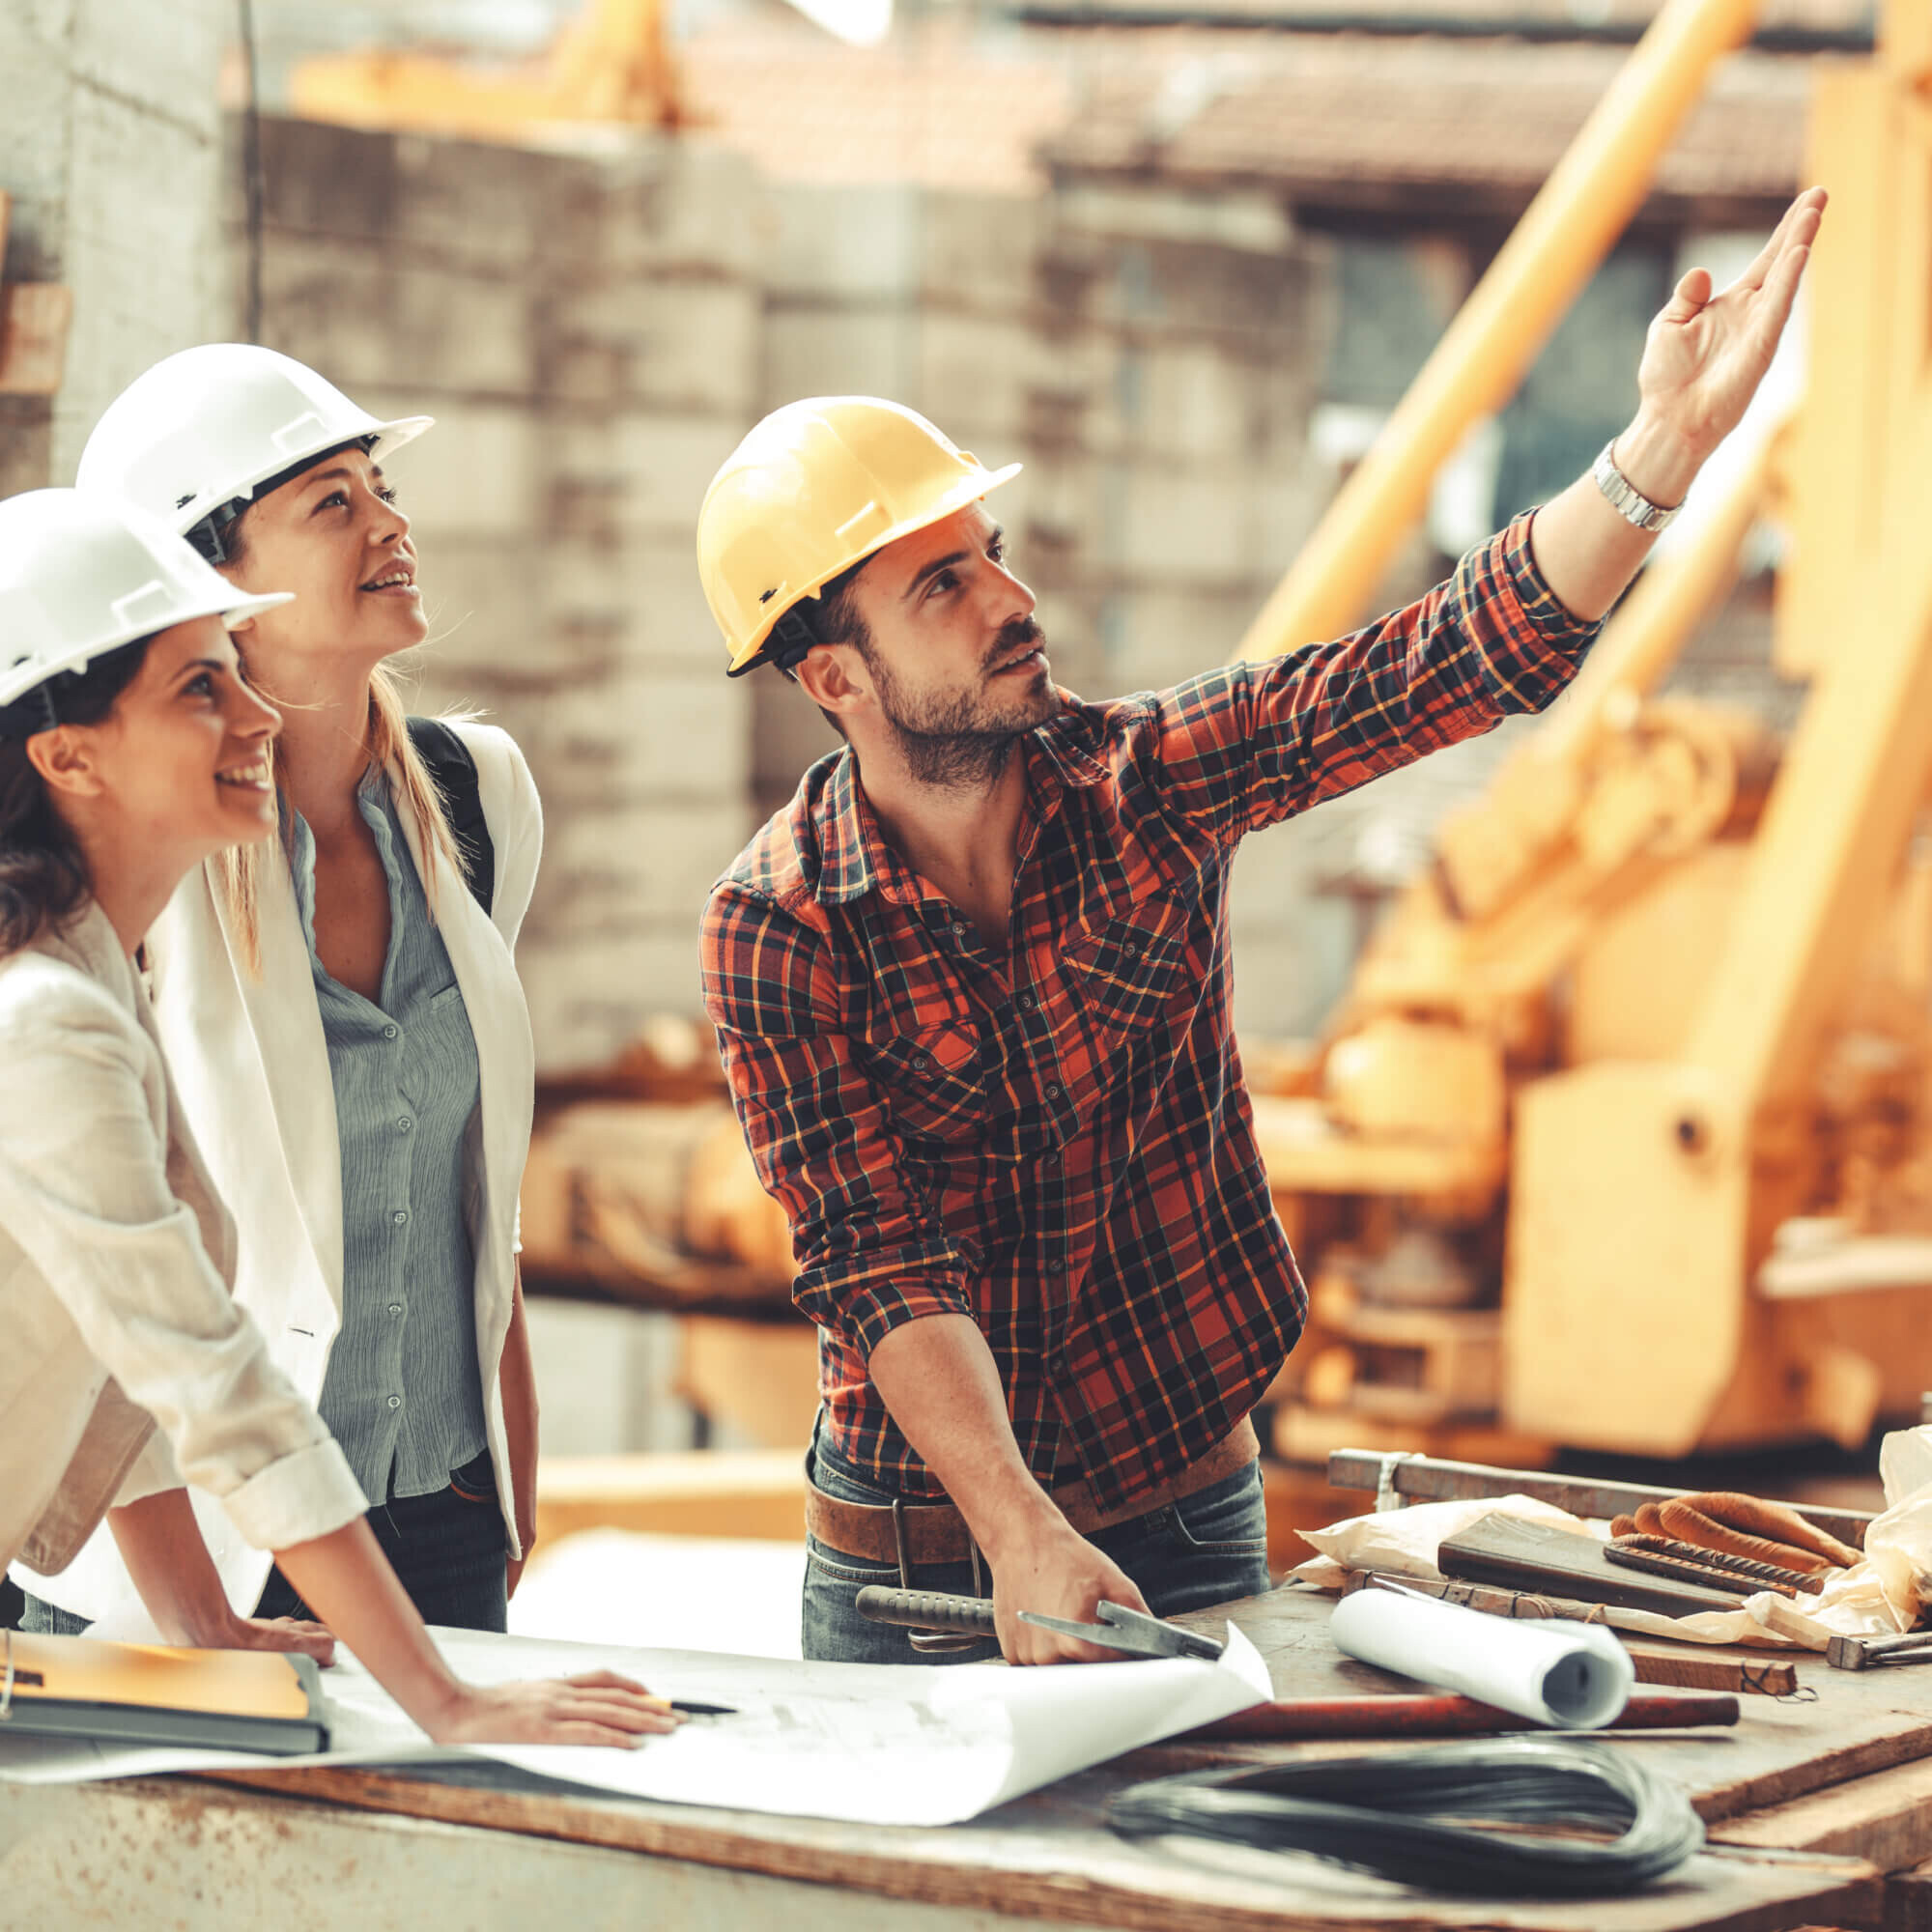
column 111, row 147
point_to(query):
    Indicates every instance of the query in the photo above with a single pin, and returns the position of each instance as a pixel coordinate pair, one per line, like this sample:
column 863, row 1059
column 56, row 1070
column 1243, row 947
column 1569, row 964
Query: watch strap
column 1626, row 498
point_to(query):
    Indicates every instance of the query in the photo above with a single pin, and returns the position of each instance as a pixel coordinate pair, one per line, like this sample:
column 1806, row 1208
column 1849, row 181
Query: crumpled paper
column 1881, row 1595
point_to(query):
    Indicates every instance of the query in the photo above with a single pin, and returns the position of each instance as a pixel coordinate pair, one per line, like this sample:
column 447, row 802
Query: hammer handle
column 927, row 1610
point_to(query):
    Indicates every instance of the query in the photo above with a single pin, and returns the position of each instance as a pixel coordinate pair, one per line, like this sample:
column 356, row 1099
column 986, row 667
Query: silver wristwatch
column 1626, row 498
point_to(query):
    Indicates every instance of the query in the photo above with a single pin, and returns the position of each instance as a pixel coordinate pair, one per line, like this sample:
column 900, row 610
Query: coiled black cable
column 1390, row 1815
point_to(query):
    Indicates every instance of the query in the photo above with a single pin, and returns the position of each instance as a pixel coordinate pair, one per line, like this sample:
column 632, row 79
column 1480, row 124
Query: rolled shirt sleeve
column 1252, row 744
column 84, row 1191
column 872, row 1253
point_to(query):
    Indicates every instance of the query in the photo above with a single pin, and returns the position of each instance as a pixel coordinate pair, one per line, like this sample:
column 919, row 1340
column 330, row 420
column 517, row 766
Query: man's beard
column 962, row 742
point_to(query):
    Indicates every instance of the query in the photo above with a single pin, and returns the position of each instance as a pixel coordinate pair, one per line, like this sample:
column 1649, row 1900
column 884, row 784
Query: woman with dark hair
column 132, row 749
column 342, row 1008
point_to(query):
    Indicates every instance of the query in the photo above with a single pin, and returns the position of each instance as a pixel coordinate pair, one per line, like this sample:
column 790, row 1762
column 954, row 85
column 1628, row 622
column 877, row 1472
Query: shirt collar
column 376, row 801
column 1066, row 743
column 853, row 854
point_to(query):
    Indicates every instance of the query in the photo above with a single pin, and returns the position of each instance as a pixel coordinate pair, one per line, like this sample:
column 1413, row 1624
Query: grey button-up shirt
column 403, row 1393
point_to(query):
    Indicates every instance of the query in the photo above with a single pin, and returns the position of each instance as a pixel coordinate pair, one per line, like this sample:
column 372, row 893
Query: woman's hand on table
column 285, row 1634
column 597, row 1708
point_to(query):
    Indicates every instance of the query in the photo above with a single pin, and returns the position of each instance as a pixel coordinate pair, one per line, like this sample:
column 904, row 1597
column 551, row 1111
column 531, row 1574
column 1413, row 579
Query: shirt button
column 395, row 1402
column 1053, row 1090
column 959, row 926
column 404, row 1123
column 389, row 1031
column 1051, row 1158
column 1055, row 1265
column 400, row 1217
column 1028, row 1003
column 395, row 1308
column 920, row 1063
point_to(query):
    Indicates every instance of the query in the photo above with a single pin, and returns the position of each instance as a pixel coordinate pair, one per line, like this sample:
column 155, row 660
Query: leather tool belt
column 917, row 1533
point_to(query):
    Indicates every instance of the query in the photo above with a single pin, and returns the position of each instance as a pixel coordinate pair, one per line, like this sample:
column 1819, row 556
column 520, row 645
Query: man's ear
column 67, row 761
column 834, row 677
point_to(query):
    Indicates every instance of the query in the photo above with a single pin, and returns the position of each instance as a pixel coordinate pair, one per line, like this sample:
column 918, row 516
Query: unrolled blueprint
column 874, row 1743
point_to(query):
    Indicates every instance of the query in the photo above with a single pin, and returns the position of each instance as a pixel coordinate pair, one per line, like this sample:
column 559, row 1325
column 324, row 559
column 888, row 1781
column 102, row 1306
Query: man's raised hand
column 1707, row 353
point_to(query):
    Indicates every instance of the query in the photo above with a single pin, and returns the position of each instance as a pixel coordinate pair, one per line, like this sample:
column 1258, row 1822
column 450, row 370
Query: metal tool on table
column 1132, row 1632
column 1873, row 1653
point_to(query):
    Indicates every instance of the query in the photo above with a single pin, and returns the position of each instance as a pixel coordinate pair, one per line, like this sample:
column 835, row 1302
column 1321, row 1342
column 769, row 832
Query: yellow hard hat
column 815, row 488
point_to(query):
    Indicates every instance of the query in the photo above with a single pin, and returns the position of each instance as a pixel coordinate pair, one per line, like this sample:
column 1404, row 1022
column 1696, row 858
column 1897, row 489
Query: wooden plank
column 751, row 1492
column 1908, row 1901
column 1048, row 1858
column 1430, row 1479
column 34, row 318
column 1886, row 1819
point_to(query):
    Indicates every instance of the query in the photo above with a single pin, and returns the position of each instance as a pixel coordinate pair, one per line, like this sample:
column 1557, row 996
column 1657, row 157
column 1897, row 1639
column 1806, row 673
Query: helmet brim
column 390, row 437
column 232, row 611
column 966, row 492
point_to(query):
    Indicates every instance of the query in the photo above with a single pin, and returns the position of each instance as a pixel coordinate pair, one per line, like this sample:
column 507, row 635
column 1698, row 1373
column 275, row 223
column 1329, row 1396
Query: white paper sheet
column 1572, row 1676
column 869, row 1744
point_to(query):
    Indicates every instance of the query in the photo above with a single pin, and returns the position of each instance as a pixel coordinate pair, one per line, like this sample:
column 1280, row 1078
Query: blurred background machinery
column 1641, row 1055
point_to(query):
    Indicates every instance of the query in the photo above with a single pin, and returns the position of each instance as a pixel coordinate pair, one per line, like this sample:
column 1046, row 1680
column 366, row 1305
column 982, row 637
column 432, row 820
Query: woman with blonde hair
column 131, row 750
column 342, row 1010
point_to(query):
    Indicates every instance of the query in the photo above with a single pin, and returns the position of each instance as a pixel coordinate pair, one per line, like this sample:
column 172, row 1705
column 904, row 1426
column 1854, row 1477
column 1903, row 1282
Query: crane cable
column 1390, row 1817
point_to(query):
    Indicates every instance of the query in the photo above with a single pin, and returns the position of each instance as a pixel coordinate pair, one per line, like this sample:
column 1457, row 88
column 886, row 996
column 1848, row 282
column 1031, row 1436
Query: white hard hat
column 193, row 437
column 81, row 575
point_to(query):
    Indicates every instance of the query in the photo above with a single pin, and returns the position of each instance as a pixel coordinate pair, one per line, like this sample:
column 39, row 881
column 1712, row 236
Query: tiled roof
column 1553, row 18
column 1353, row 117
column 1347, row 118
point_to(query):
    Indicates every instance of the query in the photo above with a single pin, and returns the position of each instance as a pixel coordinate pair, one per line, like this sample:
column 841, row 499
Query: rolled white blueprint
column 1570, row 1675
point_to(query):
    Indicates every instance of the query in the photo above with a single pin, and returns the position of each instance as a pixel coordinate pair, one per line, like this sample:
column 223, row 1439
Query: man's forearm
column 938, row 1378
column 1587, row 551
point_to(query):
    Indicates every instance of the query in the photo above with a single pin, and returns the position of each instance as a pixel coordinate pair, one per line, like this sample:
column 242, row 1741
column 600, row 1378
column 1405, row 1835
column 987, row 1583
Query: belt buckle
column 934, row 1642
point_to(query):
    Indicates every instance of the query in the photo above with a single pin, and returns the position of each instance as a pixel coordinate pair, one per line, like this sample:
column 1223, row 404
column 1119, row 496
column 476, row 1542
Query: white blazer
column 251, row 1063
column 115, row 1260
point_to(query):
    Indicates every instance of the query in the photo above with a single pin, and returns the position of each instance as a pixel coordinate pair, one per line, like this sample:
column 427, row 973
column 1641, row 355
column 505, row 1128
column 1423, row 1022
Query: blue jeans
column 1205, row 1550
column 448, row 1548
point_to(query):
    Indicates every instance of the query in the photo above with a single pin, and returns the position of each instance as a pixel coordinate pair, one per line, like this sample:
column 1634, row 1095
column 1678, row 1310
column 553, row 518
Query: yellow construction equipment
column 611, row 64
column 1650, row 1045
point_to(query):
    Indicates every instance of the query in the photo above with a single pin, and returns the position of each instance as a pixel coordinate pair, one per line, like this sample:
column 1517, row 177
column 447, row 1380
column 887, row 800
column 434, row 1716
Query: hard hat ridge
column 206, row 431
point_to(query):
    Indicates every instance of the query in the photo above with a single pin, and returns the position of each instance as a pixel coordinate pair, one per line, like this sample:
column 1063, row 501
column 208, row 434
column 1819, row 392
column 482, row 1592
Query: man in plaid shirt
column 971, row 987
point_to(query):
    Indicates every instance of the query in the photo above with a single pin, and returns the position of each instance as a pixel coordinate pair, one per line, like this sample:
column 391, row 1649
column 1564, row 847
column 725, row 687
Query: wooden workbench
column 1811, row 1802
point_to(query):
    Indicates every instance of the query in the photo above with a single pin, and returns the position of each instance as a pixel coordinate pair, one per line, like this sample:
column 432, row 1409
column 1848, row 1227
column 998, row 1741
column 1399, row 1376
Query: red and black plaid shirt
column 1053, row 1137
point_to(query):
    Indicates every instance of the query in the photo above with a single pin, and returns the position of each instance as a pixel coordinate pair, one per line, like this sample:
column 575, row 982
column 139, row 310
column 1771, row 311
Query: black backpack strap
column 454, row 771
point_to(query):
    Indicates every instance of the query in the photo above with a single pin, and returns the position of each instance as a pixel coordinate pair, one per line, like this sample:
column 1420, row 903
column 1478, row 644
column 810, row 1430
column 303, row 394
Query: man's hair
column 832, row 617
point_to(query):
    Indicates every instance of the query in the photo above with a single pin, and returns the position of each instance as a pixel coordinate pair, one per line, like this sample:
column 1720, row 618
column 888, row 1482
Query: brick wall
column 593, row 334
column 586, row 334
column 110, row 145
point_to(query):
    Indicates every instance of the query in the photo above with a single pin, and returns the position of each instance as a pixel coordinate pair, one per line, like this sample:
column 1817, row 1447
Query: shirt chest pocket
column 933, row 1081
column 1125, row 972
